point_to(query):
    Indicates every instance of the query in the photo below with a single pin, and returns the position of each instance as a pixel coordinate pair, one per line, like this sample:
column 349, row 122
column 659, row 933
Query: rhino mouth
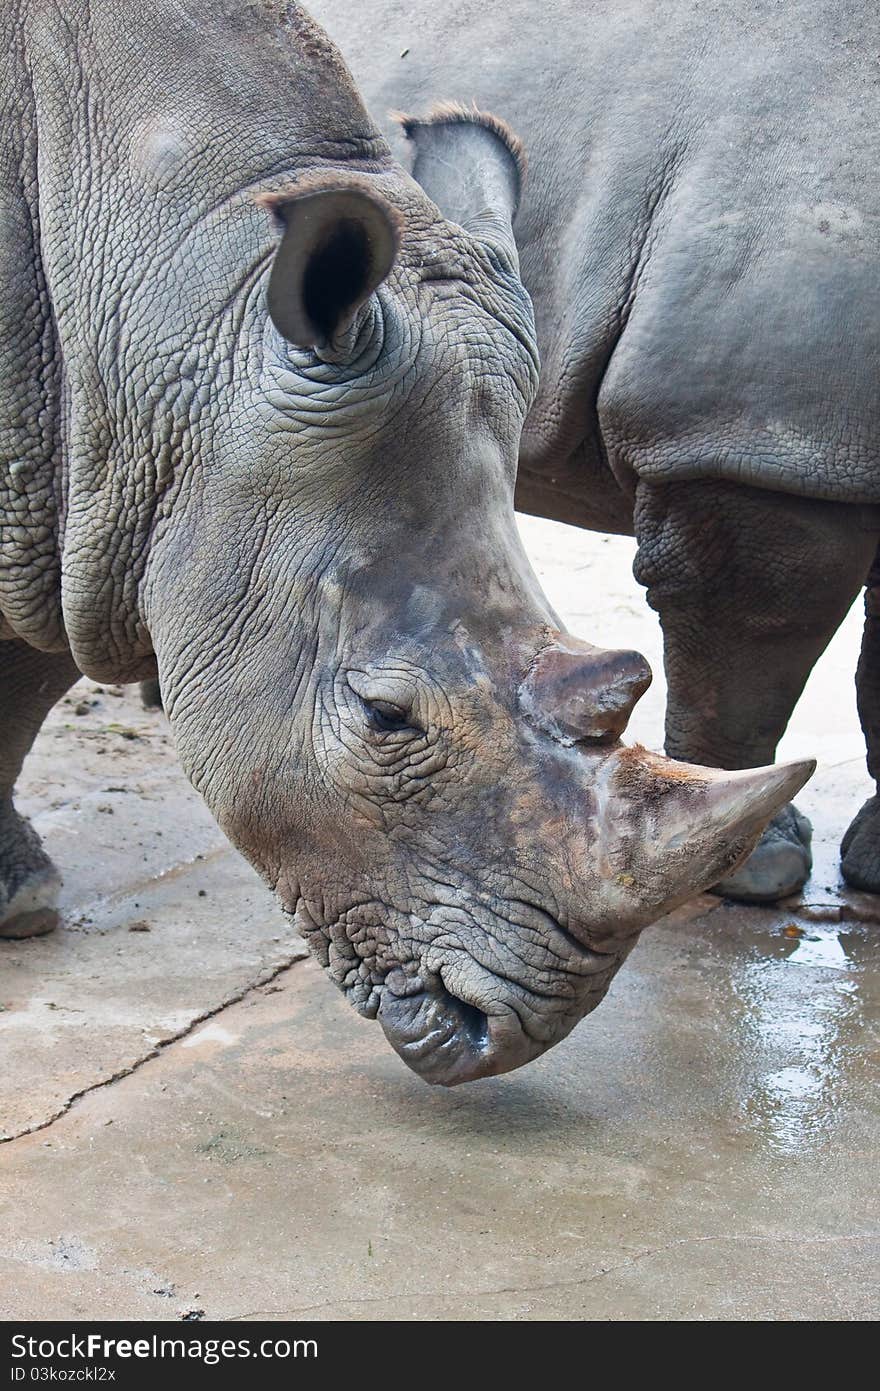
column 462, row 1018
column 447, row 1040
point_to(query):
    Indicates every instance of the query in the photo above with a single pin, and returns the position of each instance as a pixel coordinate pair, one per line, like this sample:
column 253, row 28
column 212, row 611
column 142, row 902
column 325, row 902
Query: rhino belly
column 751, row 350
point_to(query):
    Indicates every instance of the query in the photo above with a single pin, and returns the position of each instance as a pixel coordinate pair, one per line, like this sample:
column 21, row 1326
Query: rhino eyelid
column 388, row 718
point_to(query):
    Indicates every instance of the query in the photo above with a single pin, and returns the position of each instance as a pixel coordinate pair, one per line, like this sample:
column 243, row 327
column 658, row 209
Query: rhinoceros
column 700, row 235
column 262, row 407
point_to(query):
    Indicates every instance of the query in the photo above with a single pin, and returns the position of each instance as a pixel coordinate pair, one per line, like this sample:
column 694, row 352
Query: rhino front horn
column 677, row 829
column 742, row 802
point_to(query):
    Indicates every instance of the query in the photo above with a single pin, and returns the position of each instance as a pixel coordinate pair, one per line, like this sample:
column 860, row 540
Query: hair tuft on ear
column 447, row 113
column 470, row 163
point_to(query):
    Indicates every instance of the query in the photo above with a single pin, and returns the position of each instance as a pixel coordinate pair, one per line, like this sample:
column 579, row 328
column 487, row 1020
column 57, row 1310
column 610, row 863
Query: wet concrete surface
column 195, row 1119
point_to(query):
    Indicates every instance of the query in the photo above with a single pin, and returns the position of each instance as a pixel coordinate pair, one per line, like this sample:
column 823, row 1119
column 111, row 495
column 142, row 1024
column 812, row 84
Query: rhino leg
column 151, row 694
column 860, row 847
column 30, row 684
column 750, row 587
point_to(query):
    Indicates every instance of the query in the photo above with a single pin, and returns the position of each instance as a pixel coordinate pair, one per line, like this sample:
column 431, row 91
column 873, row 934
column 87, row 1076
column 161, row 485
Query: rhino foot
column 151, row 694
column 29, row 882
column 779, row 865
column 860, row 849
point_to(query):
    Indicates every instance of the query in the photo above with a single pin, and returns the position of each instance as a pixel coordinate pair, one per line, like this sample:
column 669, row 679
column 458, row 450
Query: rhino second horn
column 578, row 693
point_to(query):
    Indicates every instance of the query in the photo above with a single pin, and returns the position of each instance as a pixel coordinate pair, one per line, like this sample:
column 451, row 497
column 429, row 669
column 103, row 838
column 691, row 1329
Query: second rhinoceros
column 262, row 406
column 700, row 235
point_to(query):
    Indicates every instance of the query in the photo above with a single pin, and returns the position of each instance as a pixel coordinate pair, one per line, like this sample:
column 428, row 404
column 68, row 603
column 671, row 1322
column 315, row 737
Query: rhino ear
column 339, row 244
column 472, row 165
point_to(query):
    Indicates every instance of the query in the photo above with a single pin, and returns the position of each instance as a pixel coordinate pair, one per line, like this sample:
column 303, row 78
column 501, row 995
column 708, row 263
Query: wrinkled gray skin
column 700, row 234
column 262, row 412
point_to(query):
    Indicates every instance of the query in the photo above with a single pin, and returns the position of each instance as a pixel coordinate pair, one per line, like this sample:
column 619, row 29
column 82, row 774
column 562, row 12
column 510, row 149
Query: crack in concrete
column 107, row 903
column 843, row 762
column 437, row 1296
column 264, row 978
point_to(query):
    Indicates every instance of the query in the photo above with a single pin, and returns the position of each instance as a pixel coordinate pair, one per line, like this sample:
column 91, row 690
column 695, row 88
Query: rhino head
column 371, row 691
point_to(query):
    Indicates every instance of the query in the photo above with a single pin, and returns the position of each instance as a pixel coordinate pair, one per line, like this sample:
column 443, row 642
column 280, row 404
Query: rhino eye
column 387, row 717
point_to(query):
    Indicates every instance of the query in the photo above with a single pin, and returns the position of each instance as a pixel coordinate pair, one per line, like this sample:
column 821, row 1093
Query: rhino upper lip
column 441, row 1037
column 470, row 1024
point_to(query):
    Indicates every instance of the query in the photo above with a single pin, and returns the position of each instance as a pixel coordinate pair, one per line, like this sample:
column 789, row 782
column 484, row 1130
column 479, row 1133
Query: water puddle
column 820, row 948
column 805, row 1029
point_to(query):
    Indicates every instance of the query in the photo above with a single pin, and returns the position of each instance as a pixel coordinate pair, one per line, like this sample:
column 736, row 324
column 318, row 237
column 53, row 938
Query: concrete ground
column 196, row 1121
